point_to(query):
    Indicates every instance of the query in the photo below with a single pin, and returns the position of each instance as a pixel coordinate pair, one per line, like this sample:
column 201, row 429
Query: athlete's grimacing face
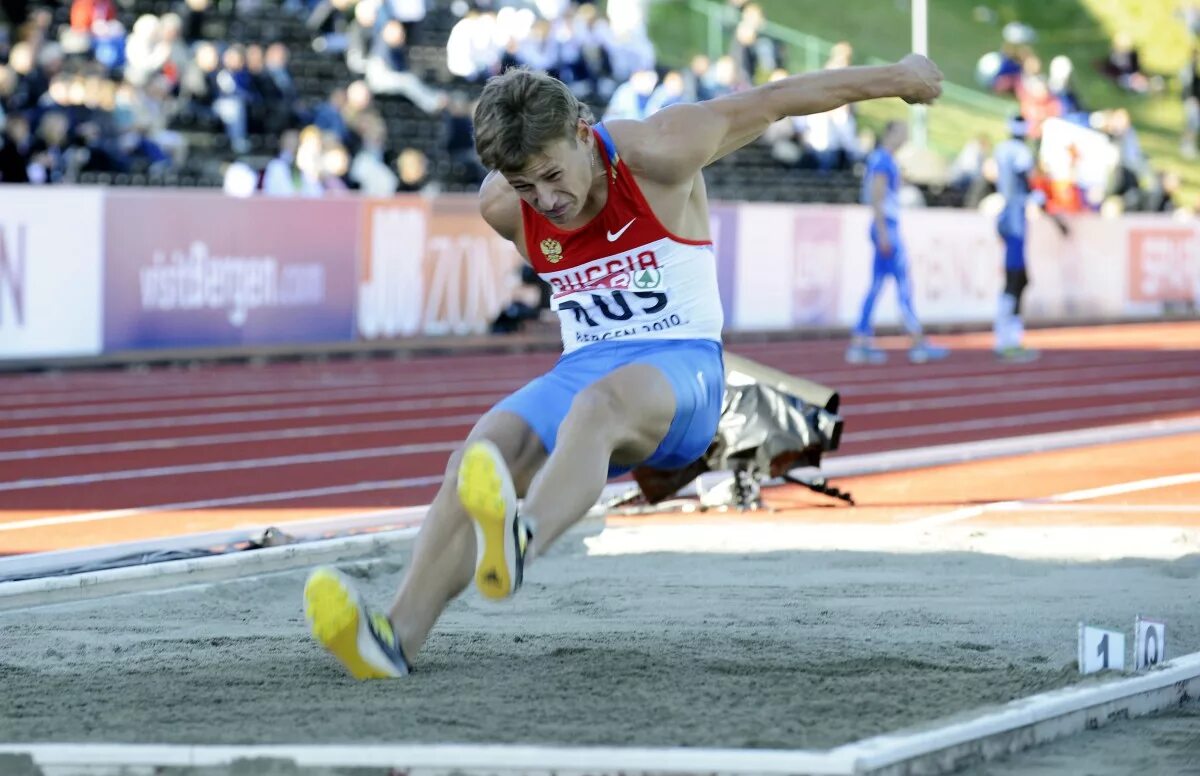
column 556, row 182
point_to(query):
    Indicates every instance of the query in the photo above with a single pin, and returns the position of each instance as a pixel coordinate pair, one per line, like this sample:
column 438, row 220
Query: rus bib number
column 617, row 307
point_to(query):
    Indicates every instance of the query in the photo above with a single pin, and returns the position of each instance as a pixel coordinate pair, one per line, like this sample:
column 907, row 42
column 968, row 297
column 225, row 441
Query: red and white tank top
column 623, row 275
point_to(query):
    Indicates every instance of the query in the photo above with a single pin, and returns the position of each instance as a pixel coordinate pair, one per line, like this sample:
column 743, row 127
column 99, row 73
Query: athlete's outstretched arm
column 676, row 142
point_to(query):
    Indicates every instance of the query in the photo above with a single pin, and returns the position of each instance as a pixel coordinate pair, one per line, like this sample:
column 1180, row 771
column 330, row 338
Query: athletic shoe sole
column 486, row 491
column 338, row 622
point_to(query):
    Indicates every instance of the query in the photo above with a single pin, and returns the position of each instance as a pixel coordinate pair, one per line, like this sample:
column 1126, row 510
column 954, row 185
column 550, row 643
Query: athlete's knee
column 519, row 446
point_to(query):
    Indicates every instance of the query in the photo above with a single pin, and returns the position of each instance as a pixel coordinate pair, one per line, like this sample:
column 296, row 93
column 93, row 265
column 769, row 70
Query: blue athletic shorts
column 695, row 368
column 1014, row 252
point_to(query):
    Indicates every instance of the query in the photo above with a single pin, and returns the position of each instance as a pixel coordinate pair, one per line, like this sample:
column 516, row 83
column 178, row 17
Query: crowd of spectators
column 86, row 95
column 1044, row 93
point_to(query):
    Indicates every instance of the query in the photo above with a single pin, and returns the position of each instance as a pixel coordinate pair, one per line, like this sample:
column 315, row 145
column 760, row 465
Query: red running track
column 221, row 446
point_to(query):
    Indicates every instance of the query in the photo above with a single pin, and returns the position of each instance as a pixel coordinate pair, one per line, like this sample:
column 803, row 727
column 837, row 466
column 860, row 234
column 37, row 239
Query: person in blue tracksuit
column 881, row 190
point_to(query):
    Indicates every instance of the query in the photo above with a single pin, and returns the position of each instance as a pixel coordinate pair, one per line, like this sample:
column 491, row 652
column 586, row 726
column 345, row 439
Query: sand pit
column 793, row 649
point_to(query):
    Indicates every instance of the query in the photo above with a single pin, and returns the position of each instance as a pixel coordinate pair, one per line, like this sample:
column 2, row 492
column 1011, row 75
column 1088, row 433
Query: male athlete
column 881, row 190
column 1014, row 165
column 615, row 218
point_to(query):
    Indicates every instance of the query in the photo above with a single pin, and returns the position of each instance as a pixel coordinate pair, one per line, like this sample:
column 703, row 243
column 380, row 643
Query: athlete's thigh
column 693, row 392
column 632, row 407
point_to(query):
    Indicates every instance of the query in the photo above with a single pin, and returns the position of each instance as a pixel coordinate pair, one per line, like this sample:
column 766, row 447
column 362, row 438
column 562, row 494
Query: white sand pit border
column 940, row 747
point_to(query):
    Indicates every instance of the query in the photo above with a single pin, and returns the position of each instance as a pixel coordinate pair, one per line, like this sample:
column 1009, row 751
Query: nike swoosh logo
column 614, row 237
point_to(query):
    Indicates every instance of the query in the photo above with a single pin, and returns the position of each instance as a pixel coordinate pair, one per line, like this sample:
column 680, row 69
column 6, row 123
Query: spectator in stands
column 296, row 172
column 1037, row 104
column 1124, row 65
column 360, row 35
column 330, row 23
column 194, row 15
column 32, row 82
column 198, row 88
column 50, row 161
column 697, row 77
column 170, row 31
column 1189, row 12
column 1000, row 71
column 458, row 139
column 108, row 45
column 596, row 39
column 1191, row 104
column 410, row 13
column 388, row 71
column 1132, row 166
column 841, row 55
column 335, row 167
column 630, row 99
column 275, row 91
column 670, row 92
column 471, row 50
column 85, row 14
column 1164, row 194
column 359, row 102
column 967, row 169
column 369, row 171
column 413, row 169
column 233, row 97
column 145, row 51
column 330, row 115
column 727, row 77
column 16, row 147
column 1062, row 89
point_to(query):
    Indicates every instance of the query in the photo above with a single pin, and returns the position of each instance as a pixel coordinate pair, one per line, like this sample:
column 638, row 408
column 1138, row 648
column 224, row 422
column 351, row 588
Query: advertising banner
column 50, row 272
column 432, row 268
column 185, row 268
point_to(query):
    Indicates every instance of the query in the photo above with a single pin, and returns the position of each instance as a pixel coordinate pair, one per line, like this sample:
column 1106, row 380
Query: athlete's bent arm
column 674, row 143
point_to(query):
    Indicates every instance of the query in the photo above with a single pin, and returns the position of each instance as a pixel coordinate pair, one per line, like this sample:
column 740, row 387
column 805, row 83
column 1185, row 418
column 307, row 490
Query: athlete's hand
column 921, row 79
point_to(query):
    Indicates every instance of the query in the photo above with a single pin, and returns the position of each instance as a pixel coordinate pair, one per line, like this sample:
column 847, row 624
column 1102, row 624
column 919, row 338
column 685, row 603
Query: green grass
column 1081, row 29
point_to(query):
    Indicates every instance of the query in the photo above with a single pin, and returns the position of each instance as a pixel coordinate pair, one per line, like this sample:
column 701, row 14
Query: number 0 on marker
column 1150, row 643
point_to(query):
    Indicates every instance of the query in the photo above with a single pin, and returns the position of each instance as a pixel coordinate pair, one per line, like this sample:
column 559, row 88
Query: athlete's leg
column 443, row 558
column 372, row 645
column 861, row 350
column 904, row 294
column 621, row 419
column 863, row 330
column 1016, row 282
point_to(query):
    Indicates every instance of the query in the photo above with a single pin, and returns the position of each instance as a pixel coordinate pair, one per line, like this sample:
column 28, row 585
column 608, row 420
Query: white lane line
column 227, row 466
column 254, row 416
column 230, row 501
column 843, row 466
column 1120, row 489
column 245, row 437
column 1021, row 419
column 1149, row 509
column 1026, row 395
column 968, row 513
column 1064, row 378
column 151, row 387
column 309, row 432
column 478, row 400
column 244, row 400
column 855, row 377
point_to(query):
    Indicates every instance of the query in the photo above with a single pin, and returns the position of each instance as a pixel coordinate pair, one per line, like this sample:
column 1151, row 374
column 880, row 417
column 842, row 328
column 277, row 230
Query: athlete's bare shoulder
column 668, row 148
column 500, row 206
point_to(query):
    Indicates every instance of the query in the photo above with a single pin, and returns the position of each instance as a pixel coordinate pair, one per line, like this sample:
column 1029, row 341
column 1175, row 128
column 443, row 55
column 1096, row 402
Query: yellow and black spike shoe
column 362, row 640
column 486, row 491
